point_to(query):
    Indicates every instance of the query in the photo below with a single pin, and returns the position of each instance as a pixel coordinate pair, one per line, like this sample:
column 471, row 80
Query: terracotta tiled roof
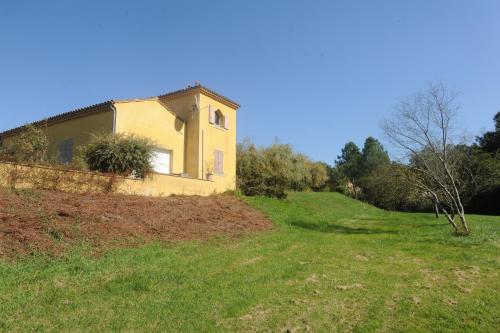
column 198, row 88
column 92, row 109
column 105, row 106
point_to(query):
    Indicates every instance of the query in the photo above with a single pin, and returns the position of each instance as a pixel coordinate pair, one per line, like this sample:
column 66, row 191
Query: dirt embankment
column 51, row 222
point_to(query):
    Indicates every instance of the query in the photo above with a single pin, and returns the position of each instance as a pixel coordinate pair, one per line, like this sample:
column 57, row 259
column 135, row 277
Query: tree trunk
column 436, row 209
column 459, row 207
column 464, row 223
column 461, row 214
column 450, row 219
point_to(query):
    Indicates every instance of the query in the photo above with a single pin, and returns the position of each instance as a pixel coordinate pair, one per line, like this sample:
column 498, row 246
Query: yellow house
column 194, row 131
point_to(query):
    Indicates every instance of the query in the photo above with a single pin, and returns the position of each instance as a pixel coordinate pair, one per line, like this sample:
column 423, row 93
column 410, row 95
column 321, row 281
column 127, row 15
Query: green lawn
column 332, row 264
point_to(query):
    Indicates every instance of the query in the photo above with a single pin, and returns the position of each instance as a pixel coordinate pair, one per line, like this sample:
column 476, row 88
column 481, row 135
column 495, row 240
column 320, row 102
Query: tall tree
column 373, row 156
column 490, row 141
column 349, row 162
column 485, row 161
column 423, row 127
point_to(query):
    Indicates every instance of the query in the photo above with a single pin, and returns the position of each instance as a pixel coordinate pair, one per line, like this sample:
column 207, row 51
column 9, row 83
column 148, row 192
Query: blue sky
column 315, row 74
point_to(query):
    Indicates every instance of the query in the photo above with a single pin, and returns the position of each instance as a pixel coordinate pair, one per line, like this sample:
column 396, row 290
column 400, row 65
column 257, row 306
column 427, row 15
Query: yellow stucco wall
column 156, row 185
column 151, row 119
column 202, row 138
column 217, row 138
column 184, row 107
column 80, row 130
column 180, row 125
column 194, row 144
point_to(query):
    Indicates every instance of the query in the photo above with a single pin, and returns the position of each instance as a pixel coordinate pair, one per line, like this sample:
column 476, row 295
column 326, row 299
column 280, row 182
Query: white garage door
column 161, row 161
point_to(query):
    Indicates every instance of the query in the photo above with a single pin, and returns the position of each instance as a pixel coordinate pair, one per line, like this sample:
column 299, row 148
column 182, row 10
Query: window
column 219, row 162
column 215, row 117
column 161, row 161
column 66, row 151
column 218, row 119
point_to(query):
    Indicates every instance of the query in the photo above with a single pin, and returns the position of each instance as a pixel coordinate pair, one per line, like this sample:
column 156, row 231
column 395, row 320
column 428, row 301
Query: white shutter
column 226, row 122
column 216, row 161
column 219, row 162
column 211, row 115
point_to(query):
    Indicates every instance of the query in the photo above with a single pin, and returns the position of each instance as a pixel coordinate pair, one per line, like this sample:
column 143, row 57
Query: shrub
column 319, row 175
column 119, row 154
column 280, row 173
column 259, row 173
column 301, row 177
column 254, row 173
column 29, row 146
column 249, row 166
column 340, row 189
column 273, row 170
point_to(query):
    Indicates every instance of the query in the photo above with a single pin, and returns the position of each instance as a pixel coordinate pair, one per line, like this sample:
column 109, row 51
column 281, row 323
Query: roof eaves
column 131, row 100
column 100, row 107
column 201, row 89
column 77, row 113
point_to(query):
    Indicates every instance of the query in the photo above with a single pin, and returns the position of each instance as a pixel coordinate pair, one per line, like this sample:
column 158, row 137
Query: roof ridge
column 89, row 109
column 60, row 117
column 207, row 91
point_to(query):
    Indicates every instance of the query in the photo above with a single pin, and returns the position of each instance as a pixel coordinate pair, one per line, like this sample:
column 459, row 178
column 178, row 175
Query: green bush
column 273, row 170
column 319, row 175
column 255, row 175
column 340, row 189
column 29, row 146
column 119, row 154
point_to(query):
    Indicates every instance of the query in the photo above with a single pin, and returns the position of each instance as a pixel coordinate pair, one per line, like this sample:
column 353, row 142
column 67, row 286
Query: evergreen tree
column 349, row 162
column 373, row 156
column 490, row 141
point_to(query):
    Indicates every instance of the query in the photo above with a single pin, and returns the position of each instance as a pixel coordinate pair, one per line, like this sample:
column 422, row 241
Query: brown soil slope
column 51, row 222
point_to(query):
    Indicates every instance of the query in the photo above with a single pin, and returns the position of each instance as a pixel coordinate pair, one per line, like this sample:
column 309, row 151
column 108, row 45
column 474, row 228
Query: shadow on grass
column 407, row 223
column 375, row 219
column 337, row 228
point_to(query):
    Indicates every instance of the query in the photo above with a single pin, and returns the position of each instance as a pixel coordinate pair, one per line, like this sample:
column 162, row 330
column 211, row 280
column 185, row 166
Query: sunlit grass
column 332, row 264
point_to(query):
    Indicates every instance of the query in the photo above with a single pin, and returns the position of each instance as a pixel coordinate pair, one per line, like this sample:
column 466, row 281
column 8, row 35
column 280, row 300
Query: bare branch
column 422, row 127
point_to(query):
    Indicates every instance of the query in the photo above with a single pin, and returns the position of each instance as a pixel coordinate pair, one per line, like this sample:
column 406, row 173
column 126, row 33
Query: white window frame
column 170, row 162
column 217, row 118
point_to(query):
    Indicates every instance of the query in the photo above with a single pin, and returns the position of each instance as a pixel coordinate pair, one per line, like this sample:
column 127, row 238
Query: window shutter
column 211, row 115
column 218, row 162
column 221, row 162
column 226, row 122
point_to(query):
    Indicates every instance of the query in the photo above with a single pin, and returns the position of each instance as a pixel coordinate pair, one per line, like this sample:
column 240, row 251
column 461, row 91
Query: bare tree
column 423, row 127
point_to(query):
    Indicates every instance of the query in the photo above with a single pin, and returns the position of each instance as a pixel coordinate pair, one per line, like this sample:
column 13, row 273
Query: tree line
column 438, row 170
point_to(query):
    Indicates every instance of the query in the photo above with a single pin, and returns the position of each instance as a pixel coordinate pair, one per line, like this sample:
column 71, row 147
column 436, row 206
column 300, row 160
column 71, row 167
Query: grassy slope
column 332, row 264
